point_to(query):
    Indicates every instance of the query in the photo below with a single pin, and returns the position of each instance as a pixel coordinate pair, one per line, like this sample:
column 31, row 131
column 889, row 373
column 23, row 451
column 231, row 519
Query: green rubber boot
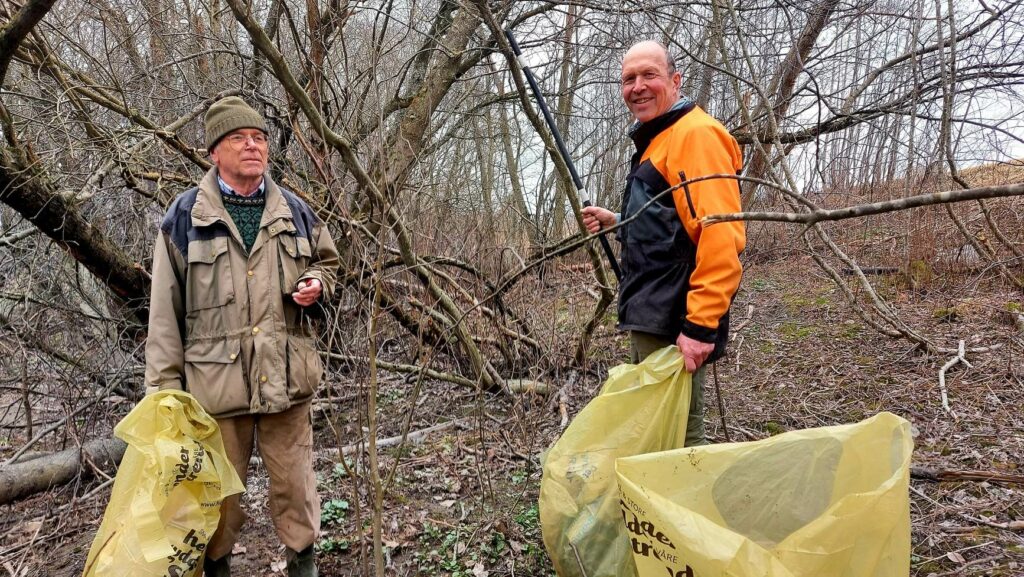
column 217, row 568
column 302, row 563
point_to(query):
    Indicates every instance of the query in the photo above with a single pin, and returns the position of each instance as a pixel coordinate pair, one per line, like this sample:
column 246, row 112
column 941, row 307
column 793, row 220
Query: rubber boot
column 217, row 568
column 302, row 563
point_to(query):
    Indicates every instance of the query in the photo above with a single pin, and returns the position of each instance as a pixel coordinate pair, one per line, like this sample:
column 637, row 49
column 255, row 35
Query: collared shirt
column 225, row 189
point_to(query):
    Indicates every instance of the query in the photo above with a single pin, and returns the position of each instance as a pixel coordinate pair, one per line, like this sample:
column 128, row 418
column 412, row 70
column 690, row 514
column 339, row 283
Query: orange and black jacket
column 679, row 276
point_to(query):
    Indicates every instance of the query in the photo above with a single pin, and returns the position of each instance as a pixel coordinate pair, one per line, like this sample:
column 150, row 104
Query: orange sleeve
column 704, row 147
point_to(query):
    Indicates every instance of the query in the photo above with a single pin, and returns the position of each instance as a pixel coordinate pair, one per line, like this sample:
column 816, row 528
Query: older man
column 238, row 263
column 679, row 277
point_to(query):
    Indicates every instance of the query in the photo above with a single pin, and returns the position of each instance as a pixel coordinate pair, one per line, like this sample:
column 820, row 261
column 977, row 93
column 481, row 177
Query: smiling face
column 649, row 86
column 241, row 161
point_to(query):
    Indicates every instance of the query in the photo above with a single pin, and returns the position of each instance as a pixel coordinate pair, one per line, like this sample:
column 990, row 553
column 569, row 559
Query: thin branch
column 10, row 240
column 959, row 358
column 873, row 208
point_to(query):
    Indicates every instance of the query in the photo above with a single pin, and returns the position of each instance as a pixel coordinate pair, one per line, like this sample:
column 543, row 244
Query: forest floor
column 463, row 501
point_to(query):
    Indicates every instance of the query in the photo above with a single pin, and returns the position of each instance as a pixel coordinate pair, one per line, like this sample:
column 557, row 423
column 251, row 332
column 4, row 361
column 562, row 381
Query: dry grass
column 924, row 243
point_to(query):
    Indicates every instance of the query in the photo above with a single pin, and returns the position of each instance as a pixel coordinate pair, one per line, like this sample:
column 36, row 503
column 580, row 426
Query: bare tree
column 407, row 125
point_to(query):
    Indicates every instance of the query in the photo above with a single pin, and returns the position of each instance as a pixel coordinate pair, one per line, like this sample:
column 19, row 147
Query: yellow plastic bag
column 641, row 409
column 827, row 502
column 165, row 504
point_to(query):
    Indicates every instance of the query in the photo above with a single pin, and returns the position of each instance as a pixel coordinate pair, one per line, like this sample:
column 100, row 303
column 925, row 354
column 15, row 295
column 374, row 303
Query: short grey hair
column 670, row 61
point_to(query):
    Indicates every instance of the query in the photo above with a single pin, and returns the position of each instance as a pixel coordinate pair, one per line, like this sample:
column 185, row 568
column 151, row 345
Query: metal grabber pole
column 584, row 197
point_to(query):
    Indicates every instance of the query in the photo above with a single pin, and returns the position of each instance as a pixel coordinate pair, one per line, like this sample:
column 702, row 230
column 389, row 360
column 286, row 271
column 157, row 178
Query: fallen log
column 25, row 478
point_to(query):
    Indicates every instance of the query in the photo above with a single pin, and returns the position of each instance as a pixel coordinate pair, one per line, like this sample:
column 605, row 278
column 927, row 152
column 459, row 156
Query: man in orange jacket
column 678, row 277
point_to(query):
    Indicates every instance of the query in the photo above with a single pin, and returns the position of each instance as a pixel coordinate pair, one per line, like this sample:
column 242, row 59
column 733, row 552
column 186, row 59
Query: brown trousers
column 643, row 344
column 285, row 442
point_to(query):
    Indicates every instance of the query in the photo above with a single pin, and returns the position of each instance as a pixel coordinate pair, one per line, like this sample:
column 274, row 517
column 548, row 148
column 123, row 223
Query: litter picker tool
column 584, row 197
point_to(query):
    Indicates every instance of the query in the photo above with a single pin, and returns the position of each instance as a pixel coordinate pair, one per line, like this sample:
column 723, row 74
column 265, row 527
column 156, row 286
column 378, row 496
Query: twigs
column 959, row 358
column 743, row 324
column 167, row 132
column 561, row 167
column 376, row 483
column 101, row 395
column 947, row 475
column 569, row 245
column 11, row 240
column 412, row 403
column 1008, row 526
column 563, row 420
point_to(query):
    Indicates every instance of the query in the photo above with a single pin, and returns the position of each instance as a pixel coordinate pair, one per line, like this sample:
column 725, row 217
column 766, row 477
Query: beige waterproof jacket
column 222, row 324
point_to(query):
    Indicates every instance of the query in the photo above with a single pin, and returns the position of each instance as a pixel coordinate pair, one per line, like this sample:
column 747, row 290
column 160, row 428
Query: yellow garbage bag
column 165, row 504
column 641, row 409
column 826, row 502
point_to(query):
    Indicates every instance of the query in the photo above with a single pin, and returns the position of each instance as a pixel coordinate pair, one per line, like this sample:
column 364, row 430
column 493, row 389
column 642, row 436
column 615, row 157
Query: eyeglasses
column 238, row 141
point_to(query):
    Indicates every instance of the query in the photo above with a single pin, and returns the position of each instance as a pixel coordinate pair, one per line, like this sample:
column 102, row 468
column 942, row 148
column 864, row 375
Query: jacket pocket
column 305, row 368
column 213, row 375
column 209, row 274
column 294, row 254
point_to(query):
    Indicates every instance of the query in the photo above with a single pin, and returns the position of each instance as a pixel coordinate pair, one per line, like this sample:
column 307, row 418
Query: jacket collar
column 643, row 133
column 209, row 208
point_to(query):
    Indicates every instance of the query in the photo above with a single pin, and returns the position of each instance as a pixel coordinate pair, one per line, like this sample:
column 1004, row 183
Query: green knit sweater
column 246, row 211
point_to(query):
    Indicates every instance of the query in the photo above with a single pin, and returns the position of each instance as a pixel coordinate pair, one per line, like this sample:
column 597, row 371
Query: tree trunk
column 26, row 191
column 567, row 80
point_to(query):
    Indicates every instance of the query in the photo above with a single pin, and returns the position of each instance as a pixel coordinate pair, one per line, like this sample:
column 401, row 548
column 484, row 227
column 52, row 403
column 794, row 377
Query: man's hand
column 595, row 218
column 308, row 291
column 694, row 352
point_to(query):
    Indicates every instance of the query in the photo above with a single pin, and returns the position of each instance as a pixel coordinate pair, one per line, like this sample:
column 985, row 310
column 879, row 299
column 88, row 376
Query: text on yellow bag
column 165, row 503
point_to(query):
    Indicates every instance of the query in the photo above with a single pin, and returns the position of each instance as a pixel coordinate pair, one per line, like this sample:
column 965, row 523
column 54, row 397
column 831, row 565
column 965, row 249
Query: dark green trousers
column 643, row 344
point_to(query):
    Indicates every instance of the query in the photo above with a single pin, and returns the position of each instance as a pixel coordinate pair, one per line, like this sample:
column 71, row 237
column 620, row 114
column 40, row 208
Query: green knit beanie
column 228, row 114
